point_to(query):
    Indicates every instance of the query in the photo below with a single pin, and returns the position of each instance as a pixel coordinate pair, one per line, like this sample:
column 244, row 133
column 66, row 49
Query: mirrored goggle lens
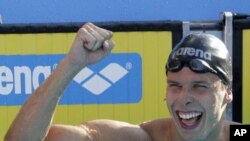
column 200, row 66
column 196, row 65
column 174, row 66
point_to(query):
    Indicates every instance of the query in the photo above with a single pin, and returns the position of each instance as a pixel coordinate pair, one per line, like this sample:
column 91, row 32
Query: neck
column 220, row 132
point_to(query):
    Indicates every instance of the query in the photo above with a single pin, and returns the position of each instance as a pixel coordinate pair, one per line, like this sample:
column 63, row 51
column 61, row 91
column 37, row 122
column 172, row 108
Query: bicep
column 98, row 130
column 67, row 133
column 107, row 130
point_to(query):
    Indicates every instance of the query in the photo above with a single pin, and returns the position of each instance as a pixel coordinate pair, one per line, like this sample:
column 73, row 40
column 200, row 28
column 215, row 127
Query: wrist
column 68, row 67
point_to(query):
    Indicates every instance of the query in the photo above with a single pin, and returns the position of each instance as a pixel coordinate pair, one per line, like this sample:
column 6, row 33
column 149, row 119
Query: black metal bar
column 73, row 27
column 237, row 76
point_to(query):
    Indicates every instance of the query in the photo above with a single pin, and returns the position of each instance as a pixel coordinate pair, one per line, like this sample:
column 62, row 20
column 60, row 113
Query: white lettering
column 239, row 132
column 194, row 52
column 208, row 56
column 22, row 79
column 6, row 80
column 199, row 53
column 19, row 73
column 191, row 51
column 243, row 131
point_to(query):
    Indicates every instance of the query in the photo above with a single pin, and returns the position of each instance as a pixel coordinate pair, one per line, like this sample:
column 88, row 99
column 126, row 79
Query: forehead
column 186, row 75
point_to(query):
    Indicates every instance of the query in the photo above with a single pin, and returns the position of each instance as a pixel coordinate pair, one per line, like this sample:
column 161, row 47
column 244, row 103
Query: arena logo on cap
column 102, row 83
column 193, row 52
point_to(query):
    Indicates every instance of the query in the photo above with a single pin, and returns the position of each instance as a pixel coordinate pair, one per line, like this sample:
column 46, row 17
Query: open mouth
column 189, row 120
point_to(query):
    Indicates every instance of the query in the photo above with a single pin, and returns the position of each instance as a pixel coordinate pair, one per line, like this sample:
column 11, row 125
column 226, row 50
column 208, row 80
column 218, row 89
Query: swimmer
column 198, row 76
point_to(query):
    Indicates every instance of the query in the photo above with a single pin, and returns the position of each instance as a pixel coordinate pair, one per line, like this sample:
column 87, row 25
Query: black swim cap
column 202, row 53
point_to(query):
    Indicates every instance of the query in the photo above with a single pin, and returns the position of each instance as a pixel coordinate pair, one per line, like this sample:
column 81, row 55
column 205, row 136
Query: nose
column 185, row 97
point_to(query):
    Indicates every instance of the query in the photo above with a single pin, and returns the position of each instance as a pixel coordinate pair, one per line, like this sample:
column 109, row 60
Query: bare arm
column 33, row 121
column 98, row 130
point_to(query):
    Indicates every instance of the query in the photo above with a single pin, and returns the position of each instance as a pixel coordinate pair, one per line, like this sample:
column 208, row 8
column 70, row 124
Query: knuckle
column 89, row 23
column 109, row 34
column 101, row 39
column 86, row 24
column 81, row 31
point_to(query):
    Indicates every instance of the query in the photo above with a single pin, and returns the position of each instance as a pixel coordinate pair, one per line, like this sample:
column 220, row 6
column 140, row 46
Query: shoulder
column 158, row 124
column 116, row 130
column 160, row 128
column 98, row 130
column 227, row 124
column 226, row 129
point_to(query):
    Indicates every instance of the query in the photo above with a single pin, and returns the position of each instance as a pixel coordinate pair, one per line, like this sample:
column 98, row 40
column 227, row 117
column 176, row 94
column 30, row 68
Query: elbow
column 13, row 136
column 9, row 137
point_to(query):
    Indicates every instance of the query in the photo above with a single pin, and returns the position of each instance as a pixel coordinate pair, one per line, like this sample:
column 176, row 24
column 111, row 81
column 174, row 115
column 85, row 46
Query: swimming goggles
column 196, row 65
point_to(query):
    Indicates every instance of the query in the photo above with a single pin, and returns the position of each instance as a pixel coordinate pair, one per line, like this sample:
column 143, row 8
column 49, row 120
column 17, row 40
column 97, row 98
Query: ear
column 229, row 96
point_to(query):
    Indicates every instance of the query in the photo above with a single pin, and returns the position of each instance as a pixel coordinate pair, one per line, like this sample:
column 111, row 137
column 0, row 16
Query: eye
column 203, row 86
column 174, row 85
column 174, row 88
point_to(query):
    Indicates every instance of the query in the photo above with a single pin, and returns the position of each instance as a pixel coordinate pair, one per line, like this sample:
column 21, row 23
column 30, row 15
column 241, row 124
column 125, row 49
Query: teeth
column 189, row 115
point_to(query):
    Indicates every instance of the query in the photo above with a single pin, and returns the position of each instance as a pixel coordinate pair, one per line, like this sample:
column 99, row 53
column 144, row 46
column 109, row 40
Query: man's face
column 197, row 102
